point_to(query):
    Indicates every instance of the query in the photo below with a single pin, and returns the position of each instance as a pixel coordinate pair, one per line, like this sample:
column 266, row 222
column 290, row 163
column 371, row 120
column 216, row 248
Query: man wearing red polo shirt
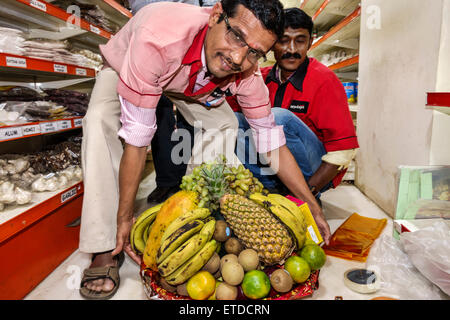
column 310, row 102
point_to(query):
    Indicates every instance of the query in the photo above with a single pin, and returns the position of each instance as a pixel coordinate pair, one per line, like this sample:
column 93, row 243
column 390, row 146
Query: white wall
column 398, row 65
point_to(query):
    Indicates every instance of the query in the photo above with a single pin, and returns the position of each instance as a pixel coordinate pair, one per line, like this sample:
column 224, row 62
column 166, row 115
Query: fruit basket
column 155, row 292
column 225, row 237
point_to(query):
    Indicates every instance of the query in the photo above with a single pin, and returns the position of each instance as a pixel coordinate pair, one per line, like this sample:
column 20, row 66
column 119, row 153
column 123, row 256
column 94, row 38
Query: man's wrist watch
column 314, row 191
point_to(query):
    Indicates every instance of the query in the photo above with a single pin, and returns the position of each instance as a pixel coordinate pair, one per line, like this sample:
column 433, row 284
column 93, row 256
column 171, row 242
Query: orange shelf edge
column 22, row 62
column 59, row 13
column 303, row 4
column 32, row 129
column 345, row 63
column 355, row 14
column 319, row 11
column 119, row 8
column 37, row 212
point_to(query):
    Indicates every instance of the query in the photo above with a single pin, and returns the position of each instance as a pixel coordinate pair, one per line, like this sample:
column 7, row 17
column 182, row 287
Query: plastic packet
column 398, row 276
column 429, row 251
column 354, row 238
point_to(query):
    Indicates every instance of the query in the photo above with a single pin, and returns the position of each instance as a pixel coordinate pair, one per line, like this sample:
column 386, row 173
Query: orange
column 201, row 285
column 298, row 268
column 256, row 284
column 314, row 255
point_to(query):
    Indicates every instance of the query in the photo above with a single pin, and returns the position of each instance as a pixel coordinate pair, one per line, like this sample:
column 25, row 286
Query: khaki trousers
column 102, row 151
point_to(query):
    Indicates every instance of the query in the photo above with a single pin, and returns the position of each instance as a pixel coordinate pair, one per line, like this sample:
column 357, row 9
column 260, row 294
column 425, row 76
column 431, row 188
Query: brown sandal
column 111, row 272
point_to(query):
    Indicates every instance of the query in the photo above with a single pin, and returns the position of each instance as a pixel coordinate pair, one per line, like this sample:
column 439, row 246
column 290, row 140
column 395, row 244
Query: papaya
column 179, row 203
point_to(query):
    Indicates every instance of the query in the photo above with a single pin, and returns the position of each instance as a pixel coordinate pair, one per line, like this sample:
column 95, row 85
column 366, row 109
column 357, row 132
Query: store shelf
column 340, row 35
column 347, row 65
column 311, row 6
column 439, row 101
column 16, row 218
column 32, row 66
column 333, row 11
column 42, row 19
column 114, row 5
column 31, row 129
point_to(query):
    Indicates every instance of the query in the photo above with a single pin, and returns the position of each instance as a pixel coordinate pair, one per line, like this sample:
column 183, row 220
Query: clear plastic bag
column 429, row 251
column 399, row 278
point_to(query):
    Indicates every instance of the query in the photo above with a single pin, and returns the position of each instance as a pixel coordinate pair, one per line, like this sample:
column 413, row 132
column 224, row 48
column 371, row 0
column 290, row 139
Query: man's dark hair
column 269, row 12
column 296, row 18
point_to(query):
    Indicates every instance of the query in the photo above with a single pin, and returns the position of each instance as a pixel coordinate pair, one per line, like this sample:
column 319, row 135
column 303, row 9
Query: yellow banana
column 289, row 205
column 295, row 225
column 289, row 220
column 187, row 250
column 193, row 265
column 198, row 213
column 177, row 238
column 141, row 224
column 146, row 233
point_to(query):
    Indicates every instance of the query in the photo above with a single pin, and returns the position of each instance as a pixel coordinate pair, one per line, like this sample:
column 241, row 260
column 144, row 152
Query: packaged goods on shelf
column 50, row 170
column 11, row 41
column 351, row 91
column 18, row 93
column 91, row 13
column 423, row 193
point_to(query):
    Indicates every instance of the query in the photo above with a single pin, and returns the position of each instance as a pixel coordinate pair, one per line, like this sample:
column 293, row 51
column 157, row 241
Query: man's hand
column 321, row 223
column 123, row 239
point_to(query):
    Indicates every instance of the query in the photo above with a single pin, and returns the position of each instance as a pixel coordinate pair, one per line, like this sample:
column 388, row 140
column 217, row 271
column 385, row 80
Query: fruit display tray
column 155, row 292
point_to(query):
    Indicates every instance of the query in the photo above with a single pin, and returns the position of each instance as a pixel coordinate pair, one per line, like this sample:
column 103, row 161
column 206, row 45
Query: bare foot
column 104, row 259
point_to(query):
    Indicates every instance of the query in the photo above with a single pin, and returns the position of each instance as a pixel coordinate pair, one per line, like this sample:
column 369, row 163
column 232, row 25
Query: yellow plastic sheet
column 353, row 239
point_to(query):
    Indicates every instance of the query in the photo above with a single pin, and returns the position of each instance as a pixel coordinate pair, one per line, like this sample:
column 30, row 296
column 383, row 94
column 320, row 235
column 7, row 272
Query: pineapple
column 214, row 179
column 257, row 228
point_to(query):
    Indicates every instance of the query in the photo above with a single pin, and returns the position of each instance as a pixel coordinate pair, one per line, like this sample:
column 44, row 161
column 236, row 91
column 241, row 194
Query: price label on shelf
column 60, row 68
column 31, row 129
column 68, row 194
column 10, row 133
column 64, row 124
column 77, row 123
column 80, row 72
column 47, row 127
column 38, row 5
column 94, row 29
column 16, row 62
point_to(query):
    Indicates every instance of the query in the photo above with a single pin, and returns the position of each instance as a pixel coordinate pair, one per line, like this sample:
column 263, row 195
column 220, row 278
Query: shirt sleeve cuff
column 138, row 124
column 341, row 158
column 266, row 134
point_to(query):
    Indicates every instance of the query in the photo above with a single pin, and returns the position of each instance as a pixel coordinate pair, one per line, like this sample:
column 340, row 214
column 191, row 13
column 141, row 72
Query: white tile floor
column 338, row 204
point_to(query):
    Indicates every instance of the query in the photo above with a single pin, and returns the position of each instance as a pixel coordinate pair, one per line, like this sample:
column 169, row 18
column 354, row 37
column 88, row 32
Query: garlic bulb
column 7, row 192
column 19, row 165
column 62, row 181
column 22, row 196
column 39, row 184
column 52, row 184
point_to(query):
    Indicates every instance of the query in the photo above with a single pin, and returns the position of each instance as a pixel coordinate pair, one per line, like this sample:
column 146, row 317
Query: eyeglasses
column 235, row 39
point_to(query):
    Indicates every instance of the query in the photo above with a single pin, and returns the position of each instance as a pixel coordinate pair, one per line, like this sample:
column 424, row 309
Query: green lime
column 298, row 268
column 314, row 255
column 256, row 284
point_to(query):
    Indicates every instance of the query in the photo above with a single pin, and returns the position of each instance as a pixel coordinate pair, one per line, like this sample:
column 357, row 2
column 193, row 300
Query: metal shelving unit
column 49, row 225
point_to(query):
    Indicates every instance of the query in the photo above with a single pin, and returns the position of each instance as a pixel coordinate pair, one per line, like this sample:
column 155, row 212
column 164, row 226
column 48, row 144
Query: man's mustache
column 235, row 67
column 289, row 55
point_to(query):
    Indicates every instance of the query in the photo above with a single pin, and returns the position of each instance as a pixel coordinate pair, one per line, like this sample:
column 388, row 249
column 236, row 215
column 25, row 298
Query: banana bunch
column 285, row 210
column 186, row 246
column 141, row 229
